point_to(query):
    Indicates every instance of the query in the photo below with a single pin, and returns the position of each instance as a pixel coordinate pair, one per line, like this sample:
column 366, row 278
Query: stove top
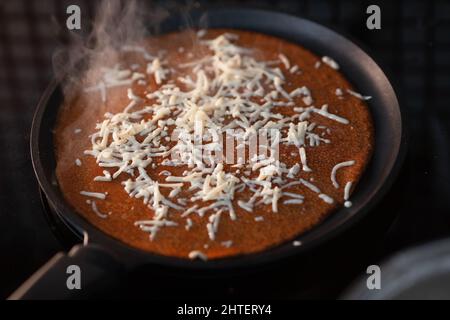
column 412, row 46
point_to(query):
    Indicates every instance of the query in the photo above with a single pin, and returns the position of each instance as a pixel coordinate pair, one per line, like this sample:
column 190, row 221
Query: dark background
column 413, row 47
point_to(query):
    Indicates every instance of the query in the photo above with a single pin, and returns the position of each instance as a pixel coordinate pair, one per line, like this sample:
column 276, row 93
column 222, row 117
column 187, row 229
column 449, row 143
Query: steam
column 117, row 23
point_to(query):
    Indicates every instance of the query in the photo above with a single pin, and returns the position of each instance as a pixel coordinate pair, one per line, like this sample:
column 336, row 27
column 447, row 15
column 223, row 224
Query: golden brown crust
column 349, row 142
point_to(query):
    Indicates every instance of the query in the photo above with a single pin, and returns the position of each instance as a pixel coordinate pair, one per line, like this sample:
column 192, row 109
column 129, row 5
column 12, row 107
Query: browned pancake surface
column 349, row 142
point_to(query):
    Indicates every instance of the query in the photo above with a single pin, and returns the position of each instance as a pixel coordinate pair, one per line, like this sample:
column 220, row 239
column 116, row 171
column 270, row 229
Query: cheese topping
column 330, row 62
column 211, row 97
column 358, row 95
column 336, row 168
column 196, row 254
column 347, row 189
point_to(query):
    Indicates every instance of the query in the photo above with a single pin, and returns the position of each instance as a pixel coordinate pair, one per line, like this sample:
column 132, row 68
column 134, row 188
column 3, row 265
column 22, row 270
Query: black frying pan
column 105, row 257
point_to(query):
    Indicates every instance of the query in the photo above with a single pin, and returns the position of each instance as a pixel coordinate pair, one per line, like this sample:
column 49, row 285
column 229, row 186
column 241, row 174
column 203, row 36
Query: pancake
column 119, row 140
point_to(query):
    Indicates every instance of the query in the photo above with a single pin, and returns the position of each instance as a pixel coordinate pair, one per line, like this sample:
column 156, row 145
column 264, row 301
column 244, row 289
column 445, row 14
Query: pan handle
column 87, row 271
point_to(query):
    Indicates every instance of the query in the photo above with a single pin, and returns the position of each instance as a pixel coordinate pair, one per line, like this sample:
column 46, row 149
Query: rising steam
column 117, row 23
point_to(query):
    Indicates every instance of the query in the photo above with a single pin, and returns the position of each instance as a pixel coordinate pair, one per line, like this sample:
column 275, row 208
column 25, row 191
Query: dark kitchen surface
column 414, row 48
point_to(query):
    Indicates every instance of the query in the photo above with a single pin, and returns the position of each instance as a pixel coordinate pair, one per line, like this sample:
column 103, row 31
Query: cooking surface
column 347, row 141
column 414, row 48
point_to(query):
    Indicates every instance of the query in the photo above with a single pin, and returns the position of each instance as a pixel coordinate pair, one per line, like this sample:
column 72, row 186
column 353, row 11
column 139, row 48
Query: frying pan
column 104, row 258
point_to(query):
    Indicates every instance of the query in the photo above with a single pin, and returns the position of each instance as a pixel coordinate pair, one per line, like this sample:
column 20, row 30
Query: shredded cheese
column 196, row 254
column 97, row 195
column 210, row 97
column 330, row 62
column 336, row 168
column 358, row 95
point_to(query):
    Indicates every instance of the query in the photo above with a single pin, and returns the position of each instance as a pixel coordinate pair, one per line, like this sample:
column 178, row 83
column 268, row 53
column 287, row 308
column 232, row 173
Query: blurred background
column 413, row 47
